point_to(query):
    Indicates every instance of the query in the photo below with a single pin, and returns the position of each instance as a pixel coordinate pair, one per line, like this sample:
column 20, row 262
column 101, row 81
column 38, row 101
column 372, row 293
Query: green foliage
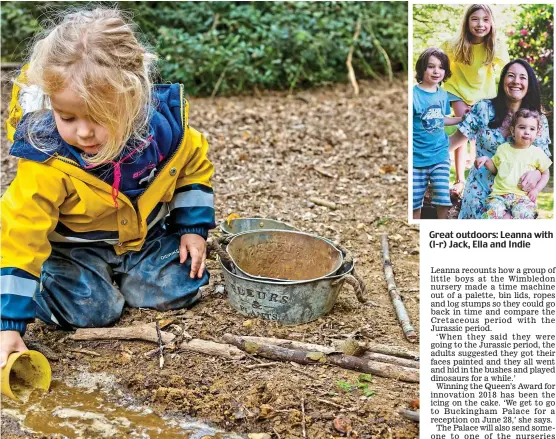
column 365, row 378
column 545, row 203
column 363, row 382
column 366, row 390
column 345, row 386
column 434, row 24
column 19, row 25
column 232, row 47
column 531, row 38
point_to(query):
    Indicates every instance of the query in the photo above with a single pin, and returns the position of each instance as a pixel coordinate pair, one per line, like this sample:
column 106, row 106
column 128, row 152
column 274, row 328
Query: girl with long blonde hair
column 476, row 57
column 112, row 201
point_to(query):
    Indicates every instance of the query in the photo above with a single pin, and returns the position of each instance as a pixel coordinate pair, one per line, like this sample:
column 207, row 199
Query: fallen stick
column 257, row 366
column 306, row 357
column 409, row 414
column 292, row 344
column 304, row 431
column 321, row 202
column 333, row 404
column 395, row 351
column 208, row 347
column 145, row 332
column 153, row 352
column 351, row 73
column 85, row 351
column 160, row 346
column 323, row 172
column 392, row 360
column 401, row 312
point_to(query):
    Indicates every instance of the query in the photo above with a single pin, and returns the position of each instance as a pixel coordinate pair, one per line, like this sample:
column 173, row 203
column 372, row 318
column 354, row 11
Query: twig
column 344, row 361
column 409, row 414
column 321, row 202
column 256, row 366
column 303, row 418
column 399, row 307
column 214, row 22
column 351, row 73
column 160, row 346
column 276, row 433
column 383, row 52
column 301, row 371
column 152, row 352
column 145, row 332
column 323, row 172
column 218, row 82
column 302, row 99
column 375, row 352
column 333, row 404
column 85, row 351
column 221, row 78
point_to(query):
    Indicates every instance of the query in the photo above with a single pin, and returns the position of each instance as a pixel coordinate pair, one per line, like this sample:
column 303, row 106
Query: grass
column 545, row 200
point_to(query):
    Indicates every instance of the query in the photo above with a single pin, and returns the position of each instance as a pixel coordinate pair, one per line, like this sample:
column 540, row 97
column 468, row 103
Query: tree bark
column 212, row 348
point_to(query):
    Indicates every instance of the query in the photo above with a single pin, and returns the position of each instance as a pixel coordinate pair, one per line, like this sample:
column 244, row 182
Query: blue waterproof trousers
column 87, row 285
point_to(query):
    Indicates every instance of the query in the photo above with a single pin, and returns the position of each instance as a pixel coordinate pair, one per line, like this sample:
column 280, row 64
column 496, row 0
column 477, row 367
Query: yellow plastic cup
column 25, row 370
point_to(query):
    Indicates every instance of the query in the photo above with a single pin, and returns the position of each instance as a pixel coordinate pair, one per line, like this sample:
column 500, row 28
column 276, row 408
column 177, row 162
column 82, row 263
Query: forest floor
column 272, row 152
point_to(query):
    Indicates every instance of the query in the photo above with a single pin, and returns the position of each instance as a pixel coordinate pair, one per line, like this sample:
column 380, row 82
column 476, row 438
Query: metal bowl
column 289, row 303
column 240, row 225
column 283, row 255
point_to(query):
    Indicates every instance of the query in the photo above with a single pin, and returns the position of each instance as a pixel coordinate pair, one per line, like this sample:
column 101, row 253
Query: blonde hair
column 96, row 54
column 462, row 46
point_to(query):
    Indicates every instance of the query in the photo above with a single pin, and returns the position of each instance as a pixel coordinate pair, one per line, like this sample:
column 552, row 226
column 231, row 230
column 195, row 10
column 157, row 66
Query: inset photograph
column 482, row 116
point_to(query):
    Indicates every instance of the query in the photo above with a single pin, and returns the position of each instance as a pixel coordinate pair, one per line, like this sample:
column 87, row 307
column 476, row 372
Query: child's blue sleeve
column 18, row 307
column 192, row 210
column 192, row 206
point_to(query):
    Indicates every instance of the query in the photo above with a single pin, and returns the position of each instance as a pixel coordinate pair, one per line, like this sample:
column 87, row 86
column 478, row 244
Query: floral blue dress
column 479, row 182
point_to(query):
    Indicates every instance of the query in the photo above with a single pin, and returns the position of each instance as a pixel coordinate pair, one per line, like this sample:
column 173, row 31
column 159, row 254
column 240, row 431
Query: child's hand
column 480, row 161
column 533, row 194
column 10, row 341
column 195, row 246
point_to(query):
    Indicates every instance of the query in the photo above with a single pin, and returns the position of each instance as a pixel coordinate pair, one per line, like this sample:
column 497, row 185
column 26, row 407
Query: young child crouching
column 112, row 201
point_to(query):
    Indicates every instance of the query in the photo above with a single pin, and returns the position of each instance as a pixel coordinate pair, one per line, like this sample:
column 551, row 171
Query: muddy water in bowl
column 281, row 255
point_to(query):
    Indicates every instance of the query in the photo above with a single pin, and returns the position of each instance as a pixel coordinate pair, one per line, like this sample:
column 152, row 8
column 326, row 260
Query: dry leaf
column 342, row 424
column 231, row 217
column 387, row 169
column 414, row 404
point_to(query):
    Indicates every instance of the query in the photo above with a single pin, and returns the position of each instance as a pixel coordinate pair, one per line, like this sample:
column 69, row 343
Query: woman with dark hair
column 488, row 123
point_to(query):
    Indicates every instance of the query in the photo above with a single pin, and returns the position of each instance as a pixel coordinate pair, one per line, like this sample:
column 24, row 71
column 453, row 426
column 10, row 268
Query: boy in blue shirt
column 431, row 161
